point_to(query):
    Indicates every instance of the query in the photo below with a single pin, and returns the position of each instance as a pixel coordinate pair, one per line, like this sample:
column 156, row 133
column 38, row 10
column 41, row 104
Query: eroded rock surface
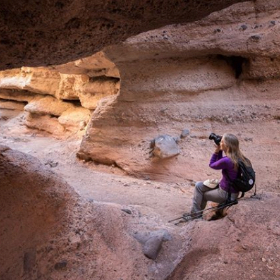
column 49, row 232
column 56, row 32
column 59, row 100
column 204, row 76
column 219, row 74
column 244, row 245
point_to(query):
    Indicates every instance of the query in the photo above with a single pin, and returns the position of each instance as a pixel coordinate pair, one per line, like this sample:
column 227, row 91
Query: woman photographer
column 229, row 144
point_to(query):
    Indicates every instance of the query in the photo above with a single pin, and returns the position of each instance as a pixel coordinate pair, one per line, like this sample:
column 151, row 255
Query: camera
column 217, row 138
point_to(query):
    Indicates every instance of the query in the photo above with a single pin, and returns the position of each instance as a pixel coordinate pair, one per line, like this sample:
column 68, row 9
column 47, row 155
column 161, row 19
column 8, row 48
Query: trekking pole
column 187, row 215
column 224, row 205
column 197, row 213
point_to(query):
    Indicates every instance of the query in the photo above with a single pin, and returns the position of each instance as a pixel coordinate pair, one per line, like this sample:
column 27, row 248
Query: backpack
column 246, row 177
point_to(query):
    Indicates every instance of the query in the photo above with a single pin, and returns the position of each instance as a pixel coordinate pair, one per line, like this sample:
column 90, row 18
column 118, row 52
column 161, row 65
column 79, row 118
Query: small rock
column 152, row 247
column 185, row 133
column 248, row 139
column 243, row 27
column 152, row 242
column 74, row 238
column 255, row 37
column 126, row 211
column 29, row 260
column 51, row 163
column 61, row 265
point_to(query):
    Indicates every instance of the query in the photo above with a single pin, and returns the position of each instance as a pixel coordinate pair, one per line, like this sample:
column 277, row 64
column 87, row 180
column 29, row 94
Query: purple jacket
column 217, row 162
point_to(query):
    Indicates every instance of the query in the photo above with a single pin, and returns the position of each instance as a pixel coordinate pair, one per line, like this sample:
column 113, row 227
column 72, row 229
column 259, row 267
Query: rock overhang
column 40, row 34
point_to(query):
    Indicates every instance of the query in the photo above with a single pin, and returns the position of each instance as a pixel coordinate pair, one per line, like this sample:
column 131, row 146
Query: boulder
column 164, row 146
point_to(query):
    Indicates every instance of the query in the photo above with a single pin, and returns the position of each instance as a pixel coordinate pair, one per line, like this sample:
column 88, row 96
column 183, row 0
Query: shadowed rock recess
column 35, row 33
column 135, row 88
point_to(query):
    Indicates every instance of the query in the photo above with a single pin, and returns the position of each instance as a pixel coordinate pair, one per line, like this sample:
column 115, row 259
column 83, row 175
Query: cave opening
column 236, row 62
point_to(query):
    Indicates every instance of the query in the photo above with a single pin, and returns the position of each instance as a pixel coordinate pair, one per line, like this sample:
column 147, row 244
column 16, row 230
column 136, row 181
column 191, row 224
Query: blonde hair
column 232, row 150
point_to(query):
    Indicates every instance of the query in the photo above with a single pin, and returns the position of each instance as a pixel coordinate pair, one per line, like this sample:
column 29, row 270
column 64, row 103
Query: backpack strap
column 229, row 192
column 242, row 193
column 231, row 184
column 255, row 192
column 229, row 197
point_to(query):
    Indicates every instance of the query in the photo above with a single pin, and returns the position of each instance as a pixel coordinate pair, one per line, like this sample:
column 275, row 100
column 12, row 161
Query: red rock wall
column 202, row 76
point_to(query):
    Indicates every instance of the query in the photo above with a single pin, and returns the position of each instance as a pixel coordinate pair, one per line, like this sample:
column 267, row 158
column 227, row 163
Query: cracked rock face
column 35, row 33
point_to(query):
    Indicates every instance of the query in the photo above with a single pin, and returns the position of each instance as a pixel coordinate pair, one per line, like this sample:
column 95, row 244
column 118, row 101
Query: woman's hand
column 217, row 149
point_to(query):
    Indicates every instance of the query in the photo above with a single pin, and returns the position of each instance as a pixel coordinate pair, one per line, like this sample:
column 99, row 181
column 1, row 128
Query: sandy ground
column 91, row 181
column 252, row 227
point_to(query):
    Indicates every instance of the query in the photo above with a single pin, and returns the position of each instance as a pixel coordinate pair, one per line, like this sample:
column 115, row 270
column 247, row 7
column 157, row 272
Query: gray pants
column 202, row 194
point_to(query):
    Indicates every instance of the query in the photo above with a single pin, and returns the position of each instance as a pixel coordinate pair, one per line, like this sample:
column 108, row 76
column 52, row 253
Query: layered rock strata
column 59, row 99
column 219, row 74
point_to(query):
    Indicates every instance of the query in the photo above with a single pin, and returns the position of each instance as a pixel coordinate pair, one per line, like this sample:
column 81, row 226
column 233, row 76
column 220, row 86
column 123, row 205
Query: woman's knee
column 198, row 184
column 199, row 187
